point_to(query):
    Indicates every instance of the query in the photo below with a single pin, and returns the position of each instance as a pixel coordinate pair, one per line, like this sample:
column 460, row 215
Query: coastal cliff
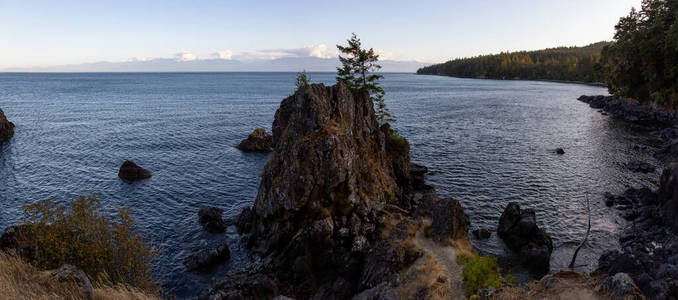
column 6, row 128
column 338, row 206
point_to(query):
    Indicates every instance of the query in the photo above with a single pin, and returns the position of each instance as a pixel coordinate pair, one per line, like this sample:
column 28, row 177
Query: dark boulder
column 482, row 234
column 449, row 220
column 518, row 228
column 668, row 195
column 6, row 128
column 560, row 151
column 69, row 273
column 258, row 141
column 207, row 257
column 210, row 218
column 130, row 171
column 242, row 285
column 640, row 166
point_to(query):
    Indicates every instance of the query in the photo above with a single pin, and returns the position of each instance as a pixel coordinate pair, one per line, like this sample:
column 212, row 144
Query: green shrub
column 480, row 272
column 107, row 250
column 302, row 80
column 364, row 171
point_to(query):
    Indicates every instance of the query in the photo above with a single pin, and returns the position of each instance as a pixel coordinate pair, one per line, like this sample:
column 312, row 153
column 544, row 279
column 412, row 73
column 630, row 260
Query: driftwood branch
column 588, row 229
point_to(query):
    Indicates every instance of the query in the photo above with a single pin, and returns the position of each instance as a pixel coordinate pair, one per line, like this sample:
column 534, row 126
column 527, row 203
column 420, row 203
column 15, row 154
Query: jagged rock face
column 6, row 128
column 320, row 200
column 518, row 228
column 330, row 155
column 668, row 195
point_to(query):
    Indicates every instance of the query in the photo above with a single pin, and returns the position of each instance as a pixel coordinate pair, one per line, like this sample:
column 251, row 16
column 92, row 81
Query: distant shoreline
column 597, row 84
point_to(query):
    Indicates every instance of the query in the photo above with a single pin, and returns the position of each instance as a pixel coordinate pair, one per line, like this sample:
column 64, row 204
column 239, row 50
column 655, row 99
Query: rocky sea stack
column 130, row 171
column 258, row 141
column 333, row 180
column 6, row 128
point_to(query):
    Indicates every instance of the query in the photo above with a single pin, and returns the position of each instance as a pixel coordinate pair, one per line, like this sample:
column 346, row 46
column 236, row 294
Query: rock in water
column 518, row 228
column 6, row 128
column 258, row 141
column 322, row 196
column 482, row 233
column 131, row 171
column 560, row 151
column 210, row 218
column 207, row 257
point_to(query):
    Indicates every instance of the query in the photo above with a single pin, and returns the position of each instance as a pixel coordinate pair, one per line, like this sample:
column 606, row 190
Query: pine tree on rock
column 357, row 64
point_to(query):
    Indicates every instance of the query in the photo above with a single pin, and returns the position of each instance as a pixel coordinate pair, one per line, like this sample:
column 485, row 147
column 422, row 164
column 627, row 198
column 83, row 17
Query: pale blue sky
column 45, row 33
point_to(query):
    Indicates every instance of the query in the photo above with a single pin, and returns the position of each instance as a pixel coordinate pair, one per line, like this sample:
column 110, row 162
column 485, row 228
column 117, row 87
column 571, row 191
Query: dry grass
column 461, row 246
column 428, row 275
column 20, row 280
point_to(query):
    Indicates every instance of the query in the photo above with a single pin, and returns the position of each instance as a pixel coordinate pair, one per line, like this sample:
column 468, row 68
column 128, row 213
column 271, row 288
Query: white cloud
column 224, row 54
column 135, row 59
column 319, row 51
column 185, row 56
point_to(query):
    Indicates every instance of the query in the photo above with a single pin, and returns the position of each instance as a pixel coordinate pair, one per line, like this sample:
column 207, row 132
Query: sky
column 36, row 33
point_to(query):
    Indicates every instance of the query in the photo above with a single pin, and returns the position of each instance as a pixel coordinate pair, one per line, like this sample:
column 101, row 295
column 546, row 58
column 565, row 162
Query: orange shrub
column 107, row 250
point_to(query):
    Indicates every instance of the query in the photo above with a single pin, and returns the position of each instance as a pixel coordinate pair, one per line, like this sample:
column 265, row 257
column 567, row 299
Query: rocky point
column 335, row 180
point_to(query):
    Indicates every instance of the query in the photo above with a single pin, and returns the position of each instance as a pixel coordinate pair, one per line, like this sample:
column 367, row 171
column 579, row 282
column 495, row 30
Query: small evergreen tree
column 354, row 72
column 302, row 79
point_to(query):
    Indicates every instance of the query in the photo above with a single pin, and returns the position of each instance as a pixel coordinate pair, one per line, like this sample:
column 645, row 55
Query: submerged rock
column 518, row 228
column 207, row 257
column 560, row 151
column 130, row 171
column 6, row 128
column 258, row 141
column 210, row 218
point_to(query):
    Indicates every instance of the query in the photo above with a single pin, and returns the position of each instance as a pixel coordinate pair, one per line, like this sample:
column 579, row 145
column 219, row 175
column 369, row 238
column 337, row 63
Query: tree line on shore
column 563, row 63
column 640, row 63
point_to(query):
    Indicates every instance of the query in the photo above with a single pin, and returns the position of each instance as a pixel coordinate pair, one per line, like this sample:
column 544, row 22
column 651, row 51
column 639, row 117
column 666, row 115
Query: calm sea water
column 486, row 143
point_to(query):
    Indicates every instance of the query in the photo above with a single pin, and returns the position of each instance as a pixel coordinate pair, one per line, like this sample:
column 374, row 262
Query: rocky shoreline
column 338, row 206
column 649, row 243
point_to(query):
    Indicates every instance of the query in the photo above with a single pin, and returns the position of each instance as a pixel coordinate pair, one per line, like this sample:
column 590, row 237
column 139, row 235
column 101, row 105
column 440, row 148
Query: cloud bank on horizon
column 41, row 33
column 314, row 58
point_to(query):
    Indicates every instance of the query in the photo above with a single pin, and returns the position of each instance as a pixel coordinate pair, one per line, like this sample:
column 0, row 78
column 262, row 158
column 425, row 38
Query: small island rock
column 482, row 234
column 207, row 257
column 518, row 228
column 258, row 141
column 131, row 171
column 560, row 151
column 210, row 219
column 6, row 128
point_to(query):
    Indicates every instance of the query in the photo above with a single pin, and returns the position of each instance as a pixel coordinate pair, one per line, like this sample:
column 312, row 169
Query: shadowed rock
column 6, row 128
column 333, row 177
column 258, row 141
column 518, row 228
column 210, row 218
column 69, row 273
column 207, row 257
column 130, row 171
